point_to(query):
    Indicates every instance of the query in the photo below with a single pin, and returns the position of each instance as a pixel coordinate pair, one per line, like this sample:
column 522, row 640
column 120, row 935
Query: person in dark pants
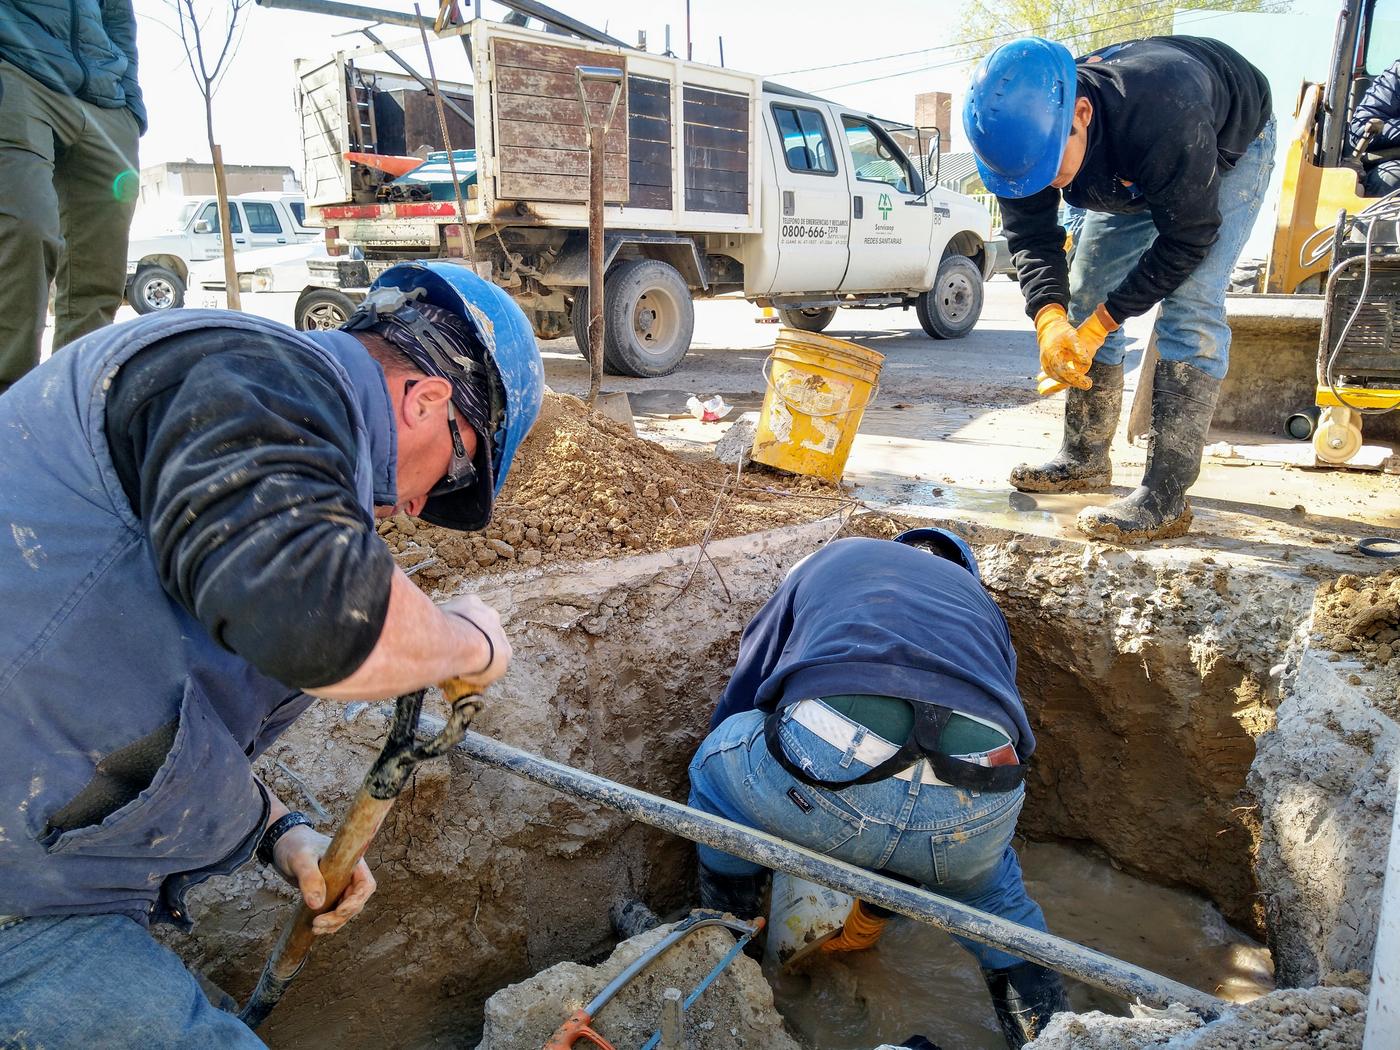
column 1381, row 103
column 873, row 716
column 191, row 558
column 70, row 116
column 1167, row 144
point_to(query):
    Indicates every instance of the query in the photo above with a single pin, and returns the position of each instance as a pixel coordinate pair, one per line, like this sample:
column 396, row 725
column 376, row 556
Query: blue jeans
column 956, row 843
column 103, row 981
column 1191, row 326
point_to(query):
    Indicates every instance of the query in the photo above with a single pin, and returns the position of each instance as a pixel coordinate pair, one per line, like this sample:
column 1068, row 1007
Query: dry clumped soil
column 583, row 487
column 1290, row 1019
column 1359, row 617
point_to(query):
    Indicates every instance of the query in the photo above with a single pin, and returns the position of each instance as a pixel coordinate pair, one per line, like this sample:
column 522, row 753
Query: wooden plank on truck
column 650, row 178
column 717, row 160
column 541, row 139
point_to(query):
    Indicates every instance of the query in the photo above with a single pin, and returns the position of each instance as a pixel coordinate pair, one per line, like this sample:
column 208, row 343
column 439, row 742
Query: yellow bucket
column 818, row 388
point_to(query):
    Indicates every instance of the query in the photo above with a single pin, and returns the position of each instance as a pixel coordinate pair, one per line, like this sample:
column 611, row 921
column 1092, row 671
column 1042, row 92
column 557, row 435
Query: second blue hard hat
column 1018, row 113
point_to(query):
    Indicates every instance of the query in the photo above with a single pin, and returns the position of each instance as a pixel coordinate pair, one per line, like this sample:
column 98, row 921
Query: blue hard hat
column 1018, row 113
column 945, row 544
column 504, row 334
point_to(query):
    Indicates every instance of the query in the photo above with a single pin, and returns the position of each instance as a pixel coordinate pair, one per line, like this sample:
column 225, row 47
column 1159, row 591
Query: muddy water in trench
column 919, row 981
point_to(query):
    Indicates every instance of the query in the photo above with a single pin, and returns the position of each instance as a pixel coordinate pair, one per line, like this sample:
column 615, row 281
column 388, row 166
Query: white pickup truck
column 164, row 243
column 716, row 183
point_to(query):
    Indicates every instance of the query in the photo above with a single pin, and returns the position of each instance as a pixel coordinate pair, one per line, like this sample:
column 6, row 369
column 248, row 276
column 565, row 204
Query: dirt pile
column 1360, row 616
column 1292, row 1019
column 735, row 1012
column 583, row 487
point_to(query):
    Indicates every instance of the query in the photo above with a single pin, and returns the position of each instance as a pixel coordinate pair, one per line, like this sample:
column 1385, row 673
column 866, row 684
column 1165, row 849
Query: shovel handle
column 349, row 843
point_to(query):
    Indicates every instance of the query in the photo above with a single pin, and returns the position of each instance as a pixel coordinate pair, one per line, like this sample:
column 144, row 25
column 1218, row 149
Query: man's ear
column 426, row 397
column 1083, row 112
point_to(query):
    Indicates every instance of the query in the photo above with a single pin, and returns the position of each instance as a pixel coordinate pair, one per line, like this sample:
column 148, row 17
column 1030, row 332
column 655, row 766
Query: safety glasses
column 461, row 472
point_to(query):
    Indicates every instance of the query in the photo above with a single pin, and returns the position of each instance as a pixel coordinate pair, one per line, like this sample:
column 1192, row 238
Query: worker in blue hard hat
column 192, row 500
column 1167, row 144
column 873, row 716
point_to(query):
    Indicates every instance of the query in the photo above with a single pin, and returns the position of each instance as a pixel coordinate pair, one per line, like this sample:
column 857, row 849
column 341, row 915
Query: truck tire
column 650, row 318
column 950, row 309
column 808, row 320
column 155, row 288
column 322, row 310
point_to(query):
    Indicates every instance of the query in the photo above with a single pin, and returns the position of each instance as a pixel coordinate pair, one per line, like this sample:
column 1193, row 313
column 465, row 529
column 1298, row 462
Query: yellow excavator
column 1329, row 239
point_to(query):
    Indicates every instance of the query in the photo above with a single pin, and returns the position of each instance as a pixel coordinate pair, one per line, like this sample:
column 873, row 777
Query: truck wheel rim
column 656, row 321
column 324, row 318
column 955, row 298
column 158, row 293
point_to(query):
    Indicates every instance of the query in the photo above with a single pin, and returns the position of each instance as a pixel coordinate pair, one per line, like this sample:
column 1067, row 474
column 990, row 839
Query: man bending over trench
column 873, row 716
column 191, row 556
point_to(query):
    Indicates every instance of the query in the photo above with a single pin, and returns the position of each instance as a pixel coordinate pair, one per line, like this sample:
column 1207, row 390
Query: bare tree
column 210, row 45
column 1084, row 25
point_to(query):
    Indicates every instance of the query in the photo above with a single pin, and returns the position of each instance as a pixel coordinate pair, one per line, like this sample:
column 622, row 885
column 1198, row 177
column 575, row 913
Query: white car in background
column 169, row 239
column 276, row 283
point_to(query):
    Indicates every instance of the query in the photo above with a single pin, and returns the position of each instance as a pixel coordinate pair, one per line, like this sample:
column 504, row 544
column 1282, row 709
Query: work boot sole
column 1027, row 482
column 1112, row 533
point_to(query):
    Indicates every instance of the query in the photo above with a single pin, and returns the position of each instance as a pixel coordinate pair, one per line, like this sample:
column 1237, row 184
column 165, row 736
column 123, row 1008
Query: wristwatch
column 278, row 828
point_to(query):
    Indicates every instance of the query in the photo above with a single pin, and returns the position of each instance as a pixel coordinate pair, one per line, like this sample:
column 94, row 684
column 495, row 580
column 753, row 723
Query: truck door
column 811, row 211
column 890, row 225
column 265, row 224
column 209, row 244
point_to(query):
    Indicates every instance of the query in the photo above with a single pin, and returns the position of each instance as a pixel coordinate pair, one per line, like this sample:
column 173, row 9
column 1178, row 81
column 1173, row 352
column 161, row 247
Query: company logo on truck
column 885, row 206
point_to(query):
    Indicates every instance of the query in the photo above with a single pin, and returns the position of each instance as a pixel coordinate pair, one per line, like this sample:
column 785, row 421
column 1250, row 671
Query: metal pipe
column 339, row 10
column 1383, row 1011
column 467, row 236
column 1122, row 979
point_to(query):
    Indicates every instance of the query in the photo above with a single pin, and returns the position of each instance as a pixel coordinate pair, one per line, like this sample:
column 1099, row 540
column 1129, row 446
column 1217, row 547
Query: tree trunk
column 225, row 225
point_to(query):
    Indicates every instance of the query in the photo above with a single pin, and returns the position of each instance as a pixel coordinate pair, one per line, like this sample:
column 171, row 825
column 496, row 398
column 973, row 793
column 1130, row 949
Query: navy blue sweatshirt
column 884, row 618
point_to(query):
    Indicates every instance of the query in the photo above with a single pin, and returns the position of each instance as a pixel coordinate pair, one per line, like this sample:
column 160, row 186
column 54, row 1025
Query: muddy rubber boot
column 1183, row 401
column 1091, row 416
column 739, row 895
column 1025, row 997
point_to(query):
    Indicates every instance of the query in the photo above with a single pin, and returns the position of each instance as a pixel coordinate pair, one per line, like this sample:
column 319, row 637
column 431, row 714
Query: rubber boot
column 863, row 927
column 1025, row 997
column 1091, row 417
column 1183, row 401
column 738, row 895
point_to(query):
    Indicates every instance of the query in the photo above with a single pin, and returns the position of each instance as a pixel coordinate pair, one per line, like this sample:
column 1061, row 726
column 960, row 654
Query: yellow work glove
column 860, row 931
column 1060, row 355
column 1094, row 331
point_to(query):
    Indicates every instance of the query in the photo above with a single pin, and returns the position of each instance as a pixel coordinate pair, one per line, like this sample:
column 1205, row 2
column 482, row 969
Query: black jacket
column 1381, row 102
column 238, row 454
column 1170, row 115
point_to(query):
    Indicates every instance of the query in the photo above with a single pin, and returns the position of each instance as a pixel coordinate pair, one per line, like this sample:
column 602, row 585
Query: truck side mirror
column 935, row 157
column 203, row 226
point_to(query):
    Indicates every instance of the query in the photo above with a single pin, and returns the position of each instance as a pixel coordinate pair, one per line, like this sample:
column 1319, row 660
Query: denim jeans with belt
column 103, row 981
column 1191, row 326
column 956, row 843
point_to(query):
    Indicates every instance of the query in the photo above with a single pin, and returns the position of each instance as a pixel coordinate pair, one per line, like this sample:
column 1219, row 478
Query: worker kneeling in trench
column 873, row 716
column 191, row 499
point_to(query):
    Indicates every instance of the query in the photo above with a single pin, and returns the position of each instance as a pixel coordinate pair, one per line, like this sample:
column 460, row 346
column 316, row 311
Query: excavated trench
column 1187, row 731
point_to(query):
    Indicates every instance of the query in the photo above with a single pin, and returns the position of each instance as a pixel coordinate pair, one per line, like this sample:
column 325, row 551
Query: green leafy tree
column 1085, row 25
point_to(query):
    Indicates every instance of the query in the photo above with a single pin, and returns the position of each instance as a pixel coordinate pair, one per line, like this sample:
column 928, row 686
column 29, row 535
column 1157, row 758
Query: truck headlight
column 262, row 280
column 245, row 282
